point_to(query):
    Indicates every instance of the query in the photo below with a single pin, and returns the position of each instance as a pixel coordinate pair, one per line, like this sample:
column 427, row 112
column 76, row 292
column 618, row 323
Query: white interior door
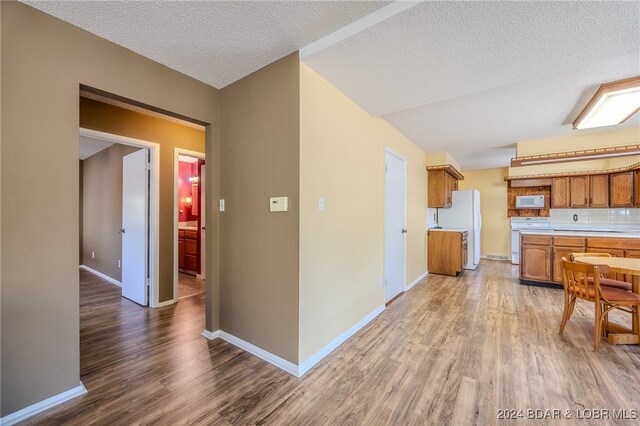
column 394, row 225
column 135, row 220
column 203, row 219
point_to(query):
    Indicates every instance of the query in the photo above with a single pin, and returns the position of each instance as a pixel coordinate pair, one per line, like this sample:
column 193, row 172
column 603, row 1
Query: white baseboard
column 165, row 303
column 211, row 334
column 38, row 407
column 416, row 281
column 496, row 257
column 281, row 363
column 318, row 356
column 101, row 275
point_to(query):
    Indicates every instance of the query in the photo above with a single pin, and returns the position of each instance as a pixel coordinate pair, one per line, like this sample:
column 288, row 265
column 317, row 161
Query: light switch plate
column 278, row 204
column 221, row 205
column 321, row 203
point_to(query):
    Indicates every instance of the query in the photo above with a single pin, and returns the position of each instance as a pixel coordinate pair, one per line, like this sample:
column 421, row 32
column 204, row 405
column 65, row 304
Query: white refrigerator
column 465, row 213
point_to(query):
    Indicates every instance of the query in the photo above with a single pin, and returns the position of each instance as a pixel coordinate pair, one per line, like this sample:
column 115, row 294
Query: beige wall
column 577, row 142
column 341, row 248
column 495, row 236
column 44, row 60
column 259, row 158
column 101, row 193
column 440, row 158
column 169, row 135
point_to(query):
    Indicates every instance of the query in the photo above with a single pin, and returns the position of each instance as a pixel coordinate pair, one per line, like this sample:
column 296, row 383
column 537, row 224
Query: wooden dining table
column 623, row 265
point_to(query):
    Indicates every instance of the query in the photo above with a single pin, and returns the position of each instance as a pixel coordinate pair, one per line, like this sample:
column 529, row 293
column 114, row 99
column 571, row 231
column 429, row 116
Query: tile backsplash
column 618, row 218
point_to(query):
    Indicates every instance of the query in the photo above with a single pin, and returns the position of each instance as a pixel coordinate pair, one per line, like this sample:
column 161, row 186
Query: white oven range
column 524, row 223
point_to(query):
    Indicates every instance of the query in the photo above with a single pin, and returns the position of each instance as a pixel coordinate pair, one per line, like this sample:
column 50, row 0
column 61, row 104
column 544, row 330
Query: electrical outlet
column 93, row 254
column 119, row 264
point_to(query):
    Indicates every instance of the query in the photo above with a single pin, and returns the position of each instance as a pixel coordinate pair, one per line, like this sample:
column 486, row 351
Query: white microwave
column 530, row 202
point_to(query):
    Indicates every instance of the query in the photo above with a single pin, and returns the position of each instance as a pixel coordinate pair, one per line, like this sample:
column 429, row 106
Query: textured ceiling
column 470, row 78
column 217, row 42
column 473, row 78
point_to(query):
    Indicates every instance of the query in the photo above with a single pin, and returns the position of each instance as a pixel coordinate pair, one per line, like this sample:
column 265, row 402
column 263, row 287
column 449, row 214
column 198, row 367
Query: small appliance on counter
column 527, row 224
column 465, row 213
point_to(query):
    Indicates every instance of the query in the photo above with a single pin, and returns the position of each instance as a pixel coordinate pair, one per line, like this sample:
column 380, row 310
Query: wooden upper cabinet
column 599, row 191
column 440, row 187
column 436, row 188
column 560, row 193
column 579, row 191
column 621, row 189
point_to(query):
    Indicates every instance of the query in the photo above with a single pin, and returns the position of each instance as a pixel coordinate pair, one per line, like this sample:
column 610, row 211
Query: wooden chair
column 607, row 282
column 577, row 286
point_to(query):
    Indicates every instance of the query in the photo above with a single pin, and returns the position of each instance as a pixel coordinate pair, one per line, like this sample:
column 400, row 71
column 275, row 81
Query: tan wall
column 169, row 135
column 259, row 158
column 577, row 142
column 341, row 248
column 102, row 210
column 44, row 60
column 440, row 158
column 495, row 236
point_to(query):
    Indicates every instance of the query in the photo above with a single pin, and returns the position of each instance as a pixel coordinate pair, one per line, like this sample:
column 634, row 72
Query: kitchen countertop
column 449, row 229
column 578, row 233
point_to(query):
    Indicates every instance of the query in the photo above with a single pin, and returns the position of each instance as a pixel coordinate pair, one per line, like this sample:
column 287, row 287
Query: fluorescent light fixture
column 565, row 157
column 613, row 103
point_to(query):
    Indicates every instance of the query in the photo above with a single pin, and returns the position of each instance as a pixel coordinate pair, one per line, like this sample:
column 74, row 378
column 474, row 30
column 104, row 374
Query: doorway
column 134, row 237
column 395, row 232
column 189, row 223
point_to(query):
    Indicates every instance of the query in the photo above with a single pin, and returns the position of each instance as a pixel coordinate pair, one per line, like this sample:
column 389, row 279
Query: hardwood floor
column 188, row 285
column 450, row 351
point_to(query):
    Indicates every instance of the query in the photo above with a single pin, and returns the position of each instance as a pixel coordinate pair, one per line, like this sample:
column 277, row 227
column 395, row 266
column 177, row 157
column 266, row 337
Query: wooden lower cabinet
column 181, row 253
column 535, row 262
column 447, row 253
column 540, row 255
column 188, row 251
column 558, row 254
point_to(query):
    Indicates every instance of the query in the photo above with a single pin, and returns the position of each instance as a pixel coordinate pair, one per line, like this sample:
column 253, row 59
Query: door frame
column 388, row 150
column 177, row 152
column 154, row 204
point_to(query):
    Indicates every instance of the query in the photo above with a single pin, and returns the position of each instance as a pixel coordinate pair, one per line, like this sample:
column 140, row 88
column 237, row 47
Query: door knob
column 121, row 231
column 404, row 231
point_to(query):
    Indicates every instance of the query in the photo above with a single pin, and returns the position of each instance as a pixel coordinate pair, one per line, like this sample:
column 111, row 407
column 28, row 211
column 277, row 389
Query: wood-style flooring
column 188, row 285
column 449, row 351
